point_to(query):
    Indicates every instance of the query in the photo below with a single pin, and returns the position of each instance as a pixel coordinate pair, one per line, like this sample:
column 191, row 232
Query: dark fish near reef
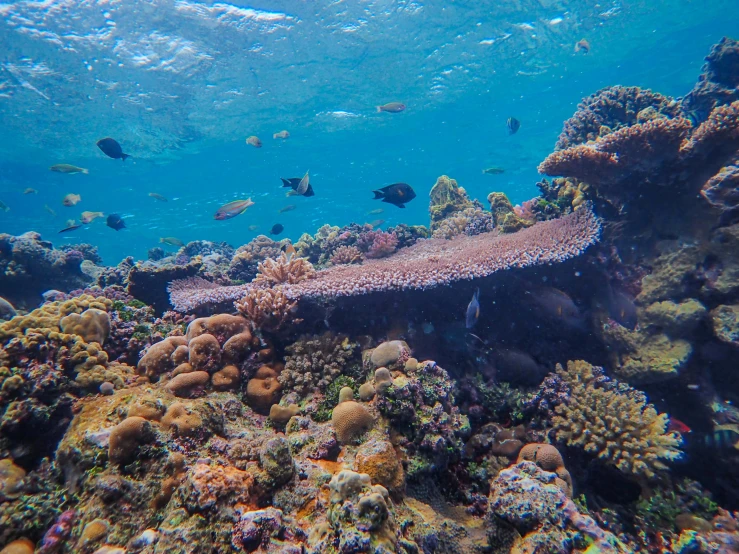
column 517, row 367
column 115, row 222
column 112, row 149
column 68, row 169
column 276, row 229
column 583, row 46
column 232, row 209
column 391, row 107
column 473, row 310
column 71, row 227
column 557, row 305
column 288, row 208
column 397, row 194
column 303, row 184
column 294, row 183
column 723, row 437
column 513, row 125
column 157, row 196
column 494, row 170
column 621, row 308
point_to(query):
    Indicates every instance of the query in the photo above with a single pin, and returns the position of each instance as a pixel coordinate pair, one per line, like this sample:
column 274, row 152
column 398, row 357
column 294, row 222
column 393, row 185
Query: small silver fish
column 473, row 310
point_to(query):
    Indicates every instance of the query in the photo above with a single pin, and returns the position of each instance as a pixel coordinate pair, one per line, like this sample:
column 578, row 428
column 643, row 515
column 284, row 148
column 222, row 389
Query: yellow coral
column 614, row 422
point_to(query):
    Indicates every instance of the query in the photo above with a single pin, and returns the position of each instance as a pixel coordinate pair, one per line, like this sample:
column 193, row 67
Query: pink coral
column 436, row 262
column 377, row 244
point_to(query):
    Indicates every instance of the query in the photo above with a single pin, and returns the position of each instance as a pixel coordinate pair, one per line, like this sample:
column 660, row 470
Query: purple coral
column 377, row 244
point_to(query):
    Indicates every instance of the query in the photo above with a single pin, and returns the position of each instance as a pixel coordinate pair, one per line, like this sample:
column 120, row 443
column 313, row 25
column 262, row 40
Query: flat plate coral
column 427, row 264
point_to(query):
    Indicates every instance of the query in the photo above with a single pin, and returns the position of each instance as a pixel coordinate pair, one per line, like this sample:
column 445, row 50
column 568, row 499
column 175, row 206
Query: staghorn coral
column 431, row 263
column 613, row 422
column 285, row 269
column 267, row 309
column 313, row 362
column 377, row 243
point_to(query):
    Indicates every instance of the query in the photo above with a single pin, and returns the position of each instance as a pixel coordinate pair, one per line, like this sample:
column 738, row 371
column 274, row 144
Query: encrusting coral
column 613, row 422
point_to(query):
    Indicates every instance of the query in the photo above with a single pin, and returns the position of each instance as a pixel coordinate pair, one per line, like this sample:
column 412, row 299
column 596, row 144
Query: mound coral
column 613, row 422
column 125, row 438
column 350, row 419
column 447, row 198
column 346, row 255
column 548, row 458
column 262, row 389
column 93, row 325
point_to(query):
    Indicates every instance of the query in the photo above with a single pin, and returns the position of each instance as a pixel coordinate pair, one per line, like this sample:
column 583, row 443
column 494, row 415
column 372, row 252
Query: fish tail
column 379, row 109
column 124, row 156
column 378, row 194
column 86, row 171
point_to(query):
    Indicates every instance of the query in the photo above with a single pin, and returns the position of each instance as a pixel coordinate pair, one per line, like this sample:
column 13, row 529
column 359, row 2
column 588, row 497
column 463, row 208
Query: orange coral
column 285, row 269
column 205, row 353
column 221, row 326
column 227, row 378
column 209, row 484
column 185, row 385
column 377, row 458
column 262, row 389
column 548, row 458
column 180, row 420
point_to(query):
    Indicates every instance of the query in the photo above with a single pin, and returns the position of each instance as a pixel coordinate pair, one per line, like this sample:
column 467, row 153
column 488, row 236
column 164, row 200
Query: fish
column 172, row 241
column 276, row 229
column 232, row 209
column 678, row 426
column 473, row 310
column 294, row 182
column 397, row 194
column 391, row 107
column 517, row 367
column 89, row 217
column 375, row 212
column 71, row 227
column 303, row 185
column 513, row 125
column 29, row 190
column 4, row 207
column 254, row 141
column 288, row 249
column 557, row 305
column 253, row 227
column 157, row 196
column 494, row 170
column 583, row 46
column 68, row 169
column 48, row 209
column 112, row 149
column 281, row 135
column 723, row 436
column 621, row 308
column 288, row 208
column 376, row 222
column 116, row 222
column 71, row 200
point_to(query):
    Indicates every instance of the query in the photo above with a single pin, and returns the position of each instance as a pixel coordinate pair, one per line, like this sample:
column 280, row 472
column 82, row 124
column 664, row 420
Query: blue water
column 182, row 85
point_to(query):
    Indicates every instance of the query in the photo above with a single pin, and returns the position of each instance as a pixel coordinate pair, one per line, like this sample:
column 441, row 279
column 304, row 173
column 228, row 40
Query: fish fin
column 285, row 182
column 477, row 294
column 378, row 194
column 86, row 171
column 400, row 205
column 124, row 156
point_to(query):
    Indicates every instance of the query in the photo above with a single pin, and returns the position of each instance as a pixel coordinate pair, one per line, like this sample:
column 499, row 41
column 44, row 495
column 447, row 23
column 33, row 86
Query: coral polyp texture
column 613, row 422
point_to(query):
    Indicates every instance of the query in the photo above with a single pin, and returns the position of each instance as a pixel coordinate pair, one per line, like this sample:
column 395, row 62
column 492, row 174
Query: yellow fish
column 89, row 217
column 68, row 169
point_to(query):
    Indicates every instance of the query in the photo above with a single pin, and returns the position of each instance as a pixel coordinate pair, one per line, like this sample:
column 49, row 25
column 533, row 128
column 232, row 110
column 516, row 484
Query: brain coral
column 613, row 421
column 350, row 419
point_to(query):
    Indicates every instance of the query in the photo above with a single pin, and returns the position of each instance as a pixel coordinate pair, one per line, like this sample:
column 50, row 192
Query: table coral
column 613, row 422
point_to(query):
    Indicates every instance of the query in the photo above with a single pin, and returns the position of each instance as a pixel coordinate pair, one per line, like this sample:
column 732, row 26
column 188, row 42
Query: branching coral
column 285, row 269
column 377, row 244
column 244, row 264
column 313, row 362
column 614, row 422
column 346, row 255
column 267, row 309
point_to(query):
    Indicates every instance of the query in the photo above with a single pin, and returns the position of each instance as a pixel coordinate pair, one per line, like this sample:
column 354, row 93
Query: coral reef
column 613, row 422
column 29, row 266
column 149, row 283
column 285, row 269
column 447, row 198
column 718, row 82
